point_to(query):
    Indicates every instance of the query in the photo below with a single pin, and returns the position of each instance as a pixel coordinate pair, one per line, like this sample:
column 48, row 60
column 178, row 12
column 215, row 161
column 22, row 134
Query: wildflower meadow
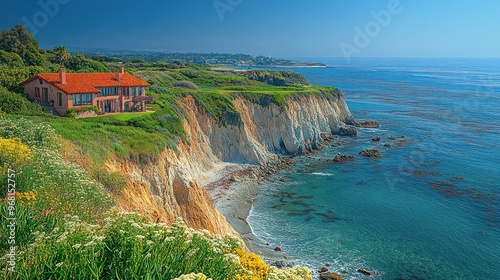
column 66, row 228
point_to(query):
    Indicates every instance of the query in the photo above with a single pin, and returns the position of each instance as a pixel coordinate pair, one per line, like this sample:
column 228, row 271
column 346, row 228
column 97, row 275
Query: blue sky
column 280, row 28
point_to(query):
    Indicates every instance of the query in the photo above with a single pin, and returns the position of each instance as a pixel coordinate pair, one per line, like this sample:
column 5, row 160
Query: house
column 110, row 92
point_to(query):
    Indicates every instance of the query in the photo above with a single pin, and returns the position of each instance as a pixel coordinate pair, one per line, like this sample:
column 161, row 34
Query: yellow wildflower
column 13, row 152
column 255, row 267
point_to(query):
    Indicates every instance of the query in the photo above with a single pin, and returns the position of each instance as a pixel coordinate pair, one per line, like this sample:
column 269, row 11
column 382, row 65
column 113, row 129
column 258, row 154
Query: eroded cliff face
column 171, row 187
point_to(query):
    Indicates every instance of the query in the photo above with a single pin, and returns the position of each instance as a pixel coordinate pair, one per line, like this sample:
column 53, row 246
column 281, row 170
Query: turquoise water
column 428, row 209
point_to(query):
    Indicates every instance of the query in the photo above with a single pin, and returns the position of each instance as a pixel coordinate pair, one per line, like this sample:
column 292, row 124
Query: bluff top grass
column 141, row 137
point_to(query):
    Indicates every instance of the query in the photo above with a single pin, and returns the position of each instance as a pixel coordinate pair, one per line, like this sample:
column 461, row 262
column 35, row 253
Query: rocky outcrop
column 170, row 187
column 371, row 153
column 341, row 158
column 368, row 124
column 330, row 276
column 364, row 271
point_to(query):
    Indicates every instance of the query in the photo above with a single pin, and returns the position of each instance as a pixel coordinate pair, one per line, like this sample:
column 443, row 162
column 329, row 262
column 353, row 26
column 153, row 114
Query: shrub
column 10, row 59
column 13, row 152
column 255, row 268
column 188, row 85
column 114, row 181
column 125, row 248
column 297, row 273
column 193, row 276
column 13, row 103
column 62, row 187
column 71, row 112
column 29, row 132
column 89, row 108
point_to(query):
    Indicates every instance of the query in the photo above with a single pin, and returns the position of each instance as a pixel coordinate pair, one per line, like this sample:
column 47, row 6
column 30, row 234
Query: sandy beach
column 233, row 189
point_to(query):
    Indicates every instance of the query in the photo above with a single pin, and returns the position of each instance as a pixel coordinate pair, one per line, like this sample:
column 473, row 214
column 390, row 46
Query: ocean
column 429, row 207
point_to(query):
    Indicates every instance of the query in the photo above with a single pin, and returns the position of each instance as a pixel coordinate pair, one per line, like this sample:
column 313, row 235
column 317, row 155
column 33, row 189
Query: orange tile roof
column 89, row 82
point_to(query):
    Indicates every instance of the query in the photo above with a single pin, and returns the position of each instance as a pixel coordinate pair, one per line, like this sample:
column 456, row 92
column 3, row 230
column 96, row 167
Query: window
column 107, row 91
column 59, row 99
column 136, row 91
column 104, row 92
column 37, row 92
column 41, row 81
column 82, row 99
column 45, row 96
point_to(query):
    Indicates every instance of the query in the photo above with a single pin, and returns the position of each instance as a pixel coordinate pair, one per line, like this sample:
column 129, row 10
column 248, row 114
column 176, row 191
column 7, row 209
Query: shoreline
column 232, row 192
column 236, row 69
column 233, row 188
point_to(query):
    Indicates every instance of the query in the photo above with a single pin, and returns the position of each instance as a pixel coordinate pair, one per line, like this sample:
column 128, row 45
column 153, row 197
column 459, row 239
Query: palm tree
column 62, row 55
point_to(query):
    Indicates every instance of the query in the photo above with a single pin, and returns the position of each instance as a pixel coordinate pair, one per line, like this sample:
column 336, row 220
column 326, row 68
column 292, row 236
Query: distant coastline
column 214, row 59
column 237, row 68
column 298, row 65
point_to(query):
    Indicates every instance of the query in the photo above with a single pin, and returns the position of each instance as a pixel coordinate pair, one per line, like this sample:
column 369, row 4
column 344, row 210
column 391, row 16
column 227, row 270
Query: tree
column 18, row 40
column 10, row 59
column 79, row 63
column 10, row 77
column 62, row 55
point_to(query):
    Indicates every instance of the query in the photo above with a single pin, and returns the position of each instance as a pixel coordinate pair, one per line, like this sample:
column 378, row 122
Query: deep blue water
column 429, row 207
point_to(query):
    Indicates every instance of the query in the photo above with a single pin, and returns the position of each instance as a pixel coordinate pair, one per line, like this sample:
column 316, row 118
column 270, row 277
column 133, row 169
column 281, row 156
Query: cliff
column 172, row 186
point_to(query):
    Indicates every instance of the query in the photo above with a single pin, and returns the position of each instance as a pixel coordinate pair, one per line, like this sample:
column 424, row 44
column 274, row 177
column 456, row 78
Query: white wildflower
column 134, row 224
column 76, row 246
column 98, row 238
column 59, row 264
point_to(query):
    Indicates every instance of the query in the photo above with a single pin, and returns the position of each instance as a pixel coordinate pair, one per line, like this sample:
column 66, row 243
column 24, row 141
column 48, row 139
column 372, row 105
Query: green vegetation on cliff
column 65, row 227
column 64, row 194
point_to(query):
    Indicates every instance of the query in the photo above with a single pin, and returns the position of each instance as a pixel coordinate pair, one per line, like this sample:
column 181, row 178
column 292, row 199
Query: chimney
column 120, row 73
column 62, row 75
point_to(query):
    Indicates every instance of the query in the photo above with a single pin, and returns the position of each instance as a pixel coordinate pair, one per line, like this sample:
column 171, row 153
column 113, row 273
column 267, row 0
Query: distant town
column 197, row 58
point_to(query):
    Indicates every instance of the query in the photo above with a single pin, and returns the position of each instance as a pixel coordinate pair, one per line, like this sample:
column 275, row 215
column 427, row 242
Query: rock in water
column 323, row 269
column 330, row 276
column 278, row 263
column 364, row 271
column 376, row 139
column 340, row 158
column 371, row 153
column 368, row 124
column 277, row 249
column 348, row 130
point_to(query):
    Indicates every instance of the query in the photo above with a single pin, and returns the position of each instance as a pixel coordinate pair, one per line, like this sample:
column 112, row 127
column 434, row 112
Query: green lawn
column 128, row 116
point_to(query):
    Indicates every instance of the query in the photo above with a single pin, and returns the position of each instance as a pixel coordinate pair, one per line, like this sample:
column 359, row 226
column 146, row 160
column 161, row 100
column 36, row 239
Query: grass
column 62, row 231
column 125, row 246
column 105, row 137
column 128, row 116
column 65, row 229
column 56, row 185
